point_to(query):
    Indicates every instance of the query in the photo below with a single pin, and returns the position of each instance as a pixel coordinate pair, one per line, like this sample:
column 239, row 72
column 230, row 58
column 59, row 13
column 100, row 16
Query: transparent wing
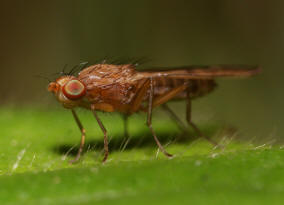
column 201, row 72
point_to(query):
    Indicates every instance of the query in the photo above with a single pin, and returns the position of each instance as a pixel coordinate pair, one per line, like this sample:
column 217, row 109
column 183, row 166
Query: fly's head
column 68, row 90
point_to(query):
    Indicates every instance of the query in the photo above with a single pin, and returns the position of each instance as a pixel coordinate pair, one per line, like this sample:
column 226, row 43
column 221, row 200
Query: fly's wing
column 202, row 72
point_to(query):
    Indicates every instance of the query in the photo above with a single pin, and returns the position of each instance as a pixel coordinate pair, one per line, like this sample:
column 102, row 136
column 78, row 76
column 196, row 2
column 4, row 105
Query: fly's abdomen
column 196, row 88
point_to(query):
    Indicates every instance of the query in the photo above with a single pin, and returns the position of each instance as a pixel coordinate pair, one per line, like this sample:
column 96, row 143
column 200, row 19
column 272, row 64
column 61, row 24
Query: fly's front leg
column 82, row 137
column 196, row 129
column 149, row 119
column 105, row 133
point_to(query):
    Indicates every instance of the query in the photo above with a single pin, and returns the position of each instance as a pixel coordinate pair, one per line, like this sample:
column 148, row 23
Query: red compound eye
column 74, row 89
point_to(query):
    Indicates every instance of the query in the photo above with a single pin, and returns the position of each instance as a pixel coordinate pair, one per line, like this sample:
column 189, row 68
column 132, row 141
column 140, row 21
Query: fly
column 121, row 88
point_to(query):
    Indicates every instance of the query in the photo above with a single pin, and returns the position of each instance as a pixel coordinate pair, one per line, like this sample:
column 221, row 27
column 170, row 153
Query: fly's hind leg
column 149, row 120
column 82, row 137
column 175, row 118
column 196, row 129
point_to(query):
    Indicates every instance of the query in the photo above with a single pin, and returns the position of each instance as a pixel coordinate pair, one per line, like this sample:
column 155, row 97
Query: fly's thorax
column 68, row 90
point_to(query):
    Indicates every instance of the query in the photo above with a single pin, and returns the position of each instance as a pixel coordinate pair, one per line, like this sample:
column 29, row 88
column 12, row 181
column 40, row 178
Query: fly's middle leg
column 149, row 120
column 126, row 136
column 106, row 150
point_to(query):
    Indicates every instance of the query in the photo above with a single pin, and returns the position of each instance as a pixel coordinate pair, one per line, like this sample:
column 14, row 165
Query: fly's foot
column 76, row 160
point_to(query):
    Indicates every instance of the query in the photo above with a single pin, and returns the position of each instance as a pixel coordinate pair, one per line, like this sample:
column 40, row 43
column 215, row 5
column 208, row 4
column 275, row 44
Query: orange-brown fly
column 121, row 88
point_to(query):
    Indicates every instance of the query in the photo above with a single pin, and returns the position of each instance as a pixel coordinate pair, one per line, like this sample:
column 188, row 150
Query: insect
column 121, row 88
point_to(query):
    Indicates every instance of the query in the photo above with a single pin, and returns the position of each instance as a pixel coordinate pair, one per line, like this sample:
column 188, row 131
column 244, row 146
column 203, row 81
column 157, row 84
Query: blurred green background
column 40, row 37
